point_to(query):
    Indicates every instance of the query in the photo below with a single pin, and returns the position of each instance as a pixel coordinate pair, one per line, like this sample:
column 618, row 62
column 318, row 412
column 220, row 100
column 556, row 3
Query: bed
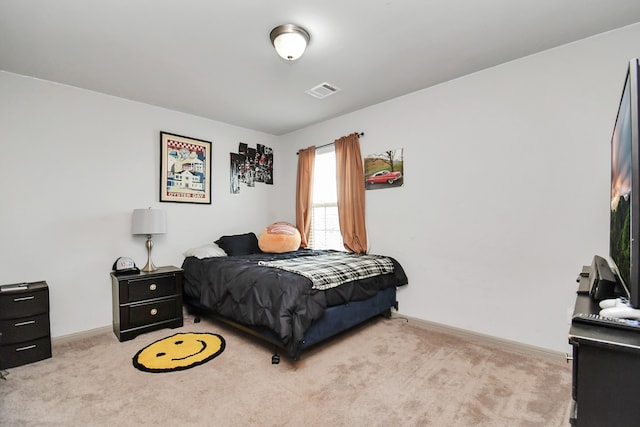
column 290, row 307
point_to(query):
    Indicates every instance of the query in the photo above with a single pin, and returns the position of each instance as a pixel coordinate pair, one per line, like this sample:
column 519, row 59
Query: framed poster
column 384, row 170
column 185, row 169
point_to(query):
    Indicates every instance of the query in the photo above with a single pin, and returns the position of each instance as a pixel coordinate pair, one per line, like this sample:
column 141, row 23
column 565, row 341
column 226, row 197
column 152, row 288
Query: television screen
column 620, row 227
column 624, row 231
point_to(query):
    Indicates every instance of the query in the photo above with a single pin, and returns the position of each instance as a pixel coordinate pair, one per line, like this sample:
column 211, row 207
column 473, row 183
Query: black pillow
column 239, row 244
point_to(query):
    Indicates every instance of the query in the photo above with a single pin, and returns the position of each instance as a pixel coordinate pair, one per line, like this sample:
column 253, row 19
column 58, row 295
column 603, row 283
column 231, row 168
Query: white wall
column 505, row 196
column 74, row 166
column 506, row 186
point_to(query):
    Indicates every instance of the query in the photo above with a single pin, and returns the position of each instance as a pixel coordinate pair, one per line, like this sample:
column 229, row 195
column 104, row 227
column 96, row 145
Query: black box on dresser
column 25, row 332
column 146, row 301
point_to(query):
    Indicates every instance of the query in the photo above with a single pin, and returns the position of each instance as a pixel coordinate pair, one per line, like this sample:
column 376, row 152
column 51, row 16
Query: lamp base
column 149, row 266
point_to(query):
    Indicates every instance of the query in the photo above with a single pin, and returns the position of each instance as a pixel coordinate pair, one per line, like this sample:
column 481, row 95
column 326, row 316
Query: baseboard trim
column 64, row 339
column 483, row 338
column 427, row 324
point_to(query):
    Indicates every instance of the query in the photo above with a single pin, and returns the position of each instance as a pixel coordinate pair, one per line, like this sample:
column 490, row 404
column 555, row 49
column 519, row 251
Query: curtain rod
column 331, row 143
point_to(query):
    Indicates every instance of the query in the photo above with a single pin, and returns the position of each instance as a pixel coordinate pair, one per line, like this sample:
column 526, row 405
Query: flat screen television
column 624, row 223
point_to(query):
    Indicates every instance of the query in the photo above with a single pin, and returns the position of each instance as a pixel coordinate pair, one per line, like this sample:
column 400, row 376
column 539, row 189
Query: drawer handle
column 29, row 347
column 28, row 322
column 568, row 358
column 153, row 311
column 152, row 287
column 23, row 298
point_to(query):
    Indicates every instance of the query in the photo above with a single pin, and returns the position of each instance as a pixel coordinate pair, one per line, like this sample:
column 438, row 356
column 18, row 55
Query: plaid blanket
column 330, row 270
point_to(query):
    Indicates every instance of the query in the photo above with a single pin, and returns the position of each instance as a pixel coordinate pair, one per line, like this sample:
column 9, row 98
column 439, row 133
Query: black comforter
column 237, row 288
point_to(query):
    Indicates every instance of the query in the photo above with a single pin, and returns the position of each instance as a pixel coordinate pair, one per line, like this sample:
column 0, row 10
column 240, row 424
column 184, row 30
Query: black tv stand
column 606, row 369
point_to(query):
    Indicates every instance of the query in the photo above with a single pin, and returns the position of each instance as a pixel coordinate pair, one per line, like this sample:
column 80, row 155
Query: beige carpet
column 386, row 373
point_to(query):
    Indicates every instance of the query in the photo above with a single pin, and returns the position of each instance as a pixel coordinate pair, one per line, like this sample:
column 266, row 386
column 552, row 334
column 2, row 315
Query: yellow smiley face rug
column 178, row 352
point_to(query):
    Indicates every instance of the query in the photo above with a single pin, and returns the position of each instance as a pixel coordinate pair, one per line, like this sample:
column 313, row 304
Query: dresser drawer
column 148, row 288
column 24, row 303
column 24, row 328
column 151, row 312
column 17, row 354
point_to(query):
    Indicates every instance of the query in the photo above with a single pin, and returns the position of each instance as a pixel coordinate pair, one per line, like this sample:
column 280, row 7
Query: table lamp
column 149, row 222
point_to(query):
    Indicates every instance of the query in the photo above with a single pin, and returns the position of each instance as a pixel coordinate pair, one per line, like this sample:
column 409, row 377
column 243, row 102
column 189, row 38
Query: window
column 325, row 226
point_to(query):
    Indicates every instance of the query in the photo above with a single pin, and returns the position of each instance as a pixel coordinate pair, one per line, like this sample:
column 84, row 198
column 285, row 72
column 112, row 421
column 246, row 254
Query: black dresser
column 144, row 302
column 606, row 369
column 25, row 333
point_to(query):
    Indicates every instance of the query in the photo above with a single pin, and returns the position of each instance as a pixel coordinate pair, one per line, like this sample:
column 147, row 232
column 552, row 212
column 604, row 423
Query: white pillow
column 205, row 251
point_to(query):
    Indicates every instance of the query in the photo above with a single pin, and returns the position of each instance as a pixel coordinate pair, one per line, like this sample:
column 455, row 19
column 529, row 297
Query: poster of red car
column 384, row 170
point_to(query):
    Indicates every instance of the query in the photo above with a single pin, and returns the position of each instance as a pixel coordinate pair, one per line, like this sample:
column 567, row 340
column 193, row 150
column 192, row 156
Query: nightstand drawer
column 152, row 312
column 24, row 328
column 24, row 303
column 148, row 288
column 17, row 354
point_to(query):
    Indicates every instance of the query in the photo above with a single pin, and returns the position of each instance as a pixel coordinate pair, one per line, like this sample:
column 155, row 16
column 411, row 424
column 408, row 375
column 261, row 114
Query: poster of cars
column 384, row 170
column 250, row 165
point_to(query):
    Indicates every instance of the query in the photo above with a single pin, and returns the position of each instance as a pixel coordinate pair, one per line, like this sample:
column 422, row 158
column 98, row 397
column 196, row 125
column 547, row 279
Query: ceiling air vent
column 322, row 90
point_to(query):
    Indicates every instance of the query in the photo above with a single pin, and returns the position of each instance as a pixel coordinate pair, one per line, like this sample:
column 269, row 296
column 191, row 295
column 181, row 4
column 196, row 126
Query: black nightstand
column 144, row 302
column 25, row 334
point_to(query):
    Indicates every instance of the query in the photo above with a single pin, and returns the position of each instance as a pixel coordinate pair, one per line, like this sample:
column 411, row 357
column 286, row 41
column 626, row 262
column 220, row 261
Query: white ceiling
column 214, row 59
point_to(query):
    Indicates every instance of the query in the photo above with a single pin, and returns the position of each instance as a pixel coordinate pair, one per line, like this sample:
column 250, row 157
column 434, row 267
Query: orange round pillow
column 279, row 237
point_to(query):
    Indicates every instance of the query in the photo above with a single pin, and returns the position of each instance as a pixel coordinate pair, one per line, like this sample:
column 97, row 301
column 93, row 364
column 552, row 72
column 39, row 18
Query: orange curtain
column 350, row 190
column 304, row 193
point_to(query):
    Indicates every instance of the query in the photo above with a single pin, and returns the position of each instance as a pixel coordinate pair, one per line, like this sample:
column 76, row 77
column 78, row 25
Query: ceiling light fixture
column 289, row 40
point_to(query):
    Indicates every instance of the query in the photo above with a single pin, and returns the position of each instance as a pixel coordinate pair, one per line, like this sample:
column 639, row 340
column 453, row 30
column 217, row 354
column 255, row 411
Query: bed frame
column 336, row 319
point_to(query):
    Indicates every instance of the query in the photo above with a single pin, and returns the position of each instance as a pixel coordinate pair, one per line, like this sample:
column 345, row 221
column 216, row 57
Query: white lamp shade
column 290, row 46
column 148, row 221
